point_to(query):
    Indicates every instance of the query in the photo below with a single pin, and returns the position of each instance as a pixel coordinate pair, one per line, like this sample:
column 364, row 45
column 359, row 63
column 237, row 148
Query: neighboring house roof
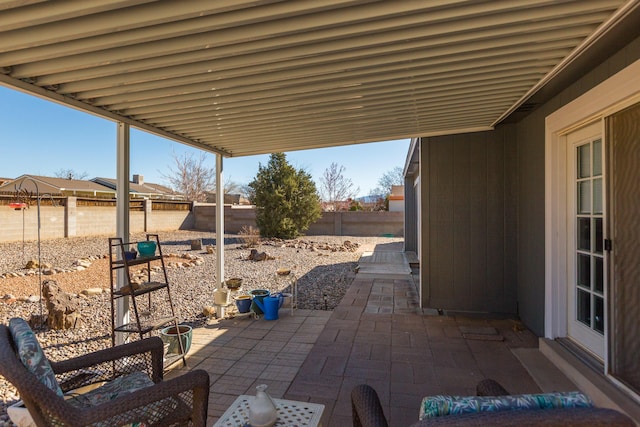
column 57, row 186
column 146, row 189
column 97, row 187
column 397, row 192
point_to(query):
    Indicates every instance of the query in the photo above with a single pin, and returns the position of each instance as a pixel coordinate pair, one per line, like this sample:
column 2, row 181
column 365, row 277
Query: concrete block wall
column 170, row 220
column 235, row 217
column 136, row 221
column 73, row 220
column 330, row 223
column 52, row 220
column 371, row 223
column 359, row 223
column 94, row 220
column 69, row 219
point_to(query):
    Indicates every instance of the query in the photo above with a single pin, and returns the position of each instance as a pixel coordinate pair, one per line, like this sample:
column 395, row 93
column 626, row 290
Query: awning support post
column 219, row 222
column 122, row 215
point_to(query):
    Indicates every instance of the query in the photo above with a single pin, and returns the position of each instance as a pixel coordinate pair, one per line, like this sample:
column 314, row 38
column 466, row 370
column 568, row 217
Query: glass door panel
column 586, row 283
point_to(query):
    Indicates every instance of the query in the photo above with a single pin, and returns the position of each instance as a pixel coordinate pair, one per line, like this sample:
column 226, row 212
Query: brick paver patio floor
column 377, row 335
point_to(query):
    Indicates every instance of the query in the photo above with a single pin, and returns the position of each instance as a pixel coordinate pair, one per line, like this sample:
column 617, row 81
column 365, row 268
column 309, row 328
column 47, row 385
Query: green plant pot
column 170, row 336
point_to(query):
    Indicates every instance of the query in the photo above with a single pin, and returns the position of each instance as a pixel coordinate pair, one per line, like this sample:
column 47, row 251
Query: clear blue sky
column 40, row 137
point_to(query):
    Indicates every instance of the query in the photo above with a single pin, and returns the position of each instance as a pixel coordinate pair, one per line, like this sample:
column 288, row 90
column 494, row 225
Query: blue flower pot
column 243, row 303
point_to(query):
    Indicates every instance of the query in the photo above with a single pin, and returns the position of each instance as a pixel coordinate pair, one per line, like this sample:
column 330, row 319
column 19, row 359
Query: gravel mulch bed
column 323, row 265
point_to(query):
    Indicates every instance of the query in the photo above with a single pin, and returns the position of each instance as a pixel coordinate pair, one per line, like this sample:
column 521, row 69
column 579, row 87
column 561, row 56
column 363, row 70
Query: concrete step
column 548, row 377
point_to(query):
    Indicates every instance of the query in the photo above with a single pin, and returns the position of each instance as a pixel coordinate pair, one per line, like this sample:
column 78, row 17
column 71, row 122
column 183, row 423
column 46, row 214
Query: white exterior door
column 587, row 269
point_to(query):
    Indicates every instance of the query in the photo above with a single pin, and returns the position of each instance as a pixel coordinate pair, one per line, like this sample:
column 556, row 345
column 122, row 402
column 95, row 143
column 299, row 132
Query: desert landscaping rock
column 323, row 266
column 91, row 292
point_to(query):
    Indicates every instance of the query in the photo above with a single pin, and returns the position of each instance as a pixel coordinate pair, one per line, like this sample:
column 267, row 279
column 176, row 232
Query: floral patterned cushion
column 31, row 353
column 121, row 386
column 110, row 390
column 435, row 406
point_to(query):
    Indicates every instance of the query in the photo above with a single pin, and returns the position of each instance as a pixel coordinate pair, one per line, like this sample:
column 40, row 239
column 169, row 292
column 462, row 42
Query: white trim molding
column 614, row 94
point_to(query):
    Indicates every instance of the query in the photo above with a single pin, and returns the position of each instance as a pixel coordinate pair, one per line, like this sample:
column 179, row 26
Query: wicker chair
column 179, row 401
column 367, row 412
column 365, row 407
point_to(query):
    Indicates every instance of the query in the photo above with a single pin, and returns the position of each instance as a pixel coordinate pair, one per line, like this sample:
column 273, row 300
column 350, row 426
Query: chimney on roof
column 138, row 179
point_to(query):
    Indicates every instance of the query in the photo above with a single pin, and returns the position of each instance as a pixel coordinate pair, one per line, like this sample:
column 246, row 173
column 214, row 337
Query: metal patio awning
column 249, row 77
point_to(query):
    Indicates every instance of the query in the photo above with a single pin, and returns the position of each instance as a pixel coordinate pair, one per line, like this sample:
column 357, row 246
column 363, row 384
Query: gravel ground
column 321, row 264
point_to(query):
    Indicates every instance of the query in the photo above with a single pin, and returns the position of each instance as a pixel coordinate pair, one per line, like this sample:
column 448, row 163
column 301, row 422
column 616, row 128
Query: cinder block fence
column 341, row 223
column 73, row 216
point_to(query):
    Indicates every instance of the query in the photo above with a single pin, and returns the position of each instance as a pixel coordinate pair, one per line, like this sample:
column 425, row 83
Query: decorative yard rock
column 208, row 311
column 259, row 256
column 8, row 299
column 91, row 292
column 346, row 246
column 86, row 263
column 62, row 307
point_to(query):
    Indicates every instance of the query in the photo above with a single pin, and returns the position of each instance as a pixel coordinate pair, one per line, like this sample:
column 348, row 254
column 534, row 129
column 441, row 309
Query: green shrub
column 286, row 199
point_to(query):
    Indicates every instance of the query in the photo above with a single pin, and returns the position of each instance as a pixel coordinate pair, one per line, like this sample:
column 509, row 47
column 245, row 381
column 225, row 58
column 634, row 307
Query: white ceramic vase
column 262, row 410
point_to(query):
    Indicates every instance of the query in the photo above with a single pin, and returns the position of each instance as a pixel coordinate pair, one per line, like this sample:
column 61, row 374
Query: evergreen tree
column 286, row 199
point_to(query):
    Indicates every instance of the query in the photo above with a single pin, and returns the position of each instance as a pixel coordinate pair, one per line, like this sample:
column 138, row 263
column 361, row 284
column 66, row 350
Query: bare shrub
column 249, row 236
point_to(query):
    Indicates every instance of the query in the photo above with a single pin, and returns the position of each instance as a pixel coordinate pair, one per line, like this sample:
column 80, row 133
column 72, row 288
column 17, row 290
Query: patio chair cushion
column 435, row 406
column 31, row 354
column 120, row 386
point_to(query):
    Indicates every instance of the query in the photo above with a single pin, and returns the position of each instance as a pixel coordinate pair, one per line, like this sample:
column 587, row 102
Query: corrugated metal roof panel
column 249, row 77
